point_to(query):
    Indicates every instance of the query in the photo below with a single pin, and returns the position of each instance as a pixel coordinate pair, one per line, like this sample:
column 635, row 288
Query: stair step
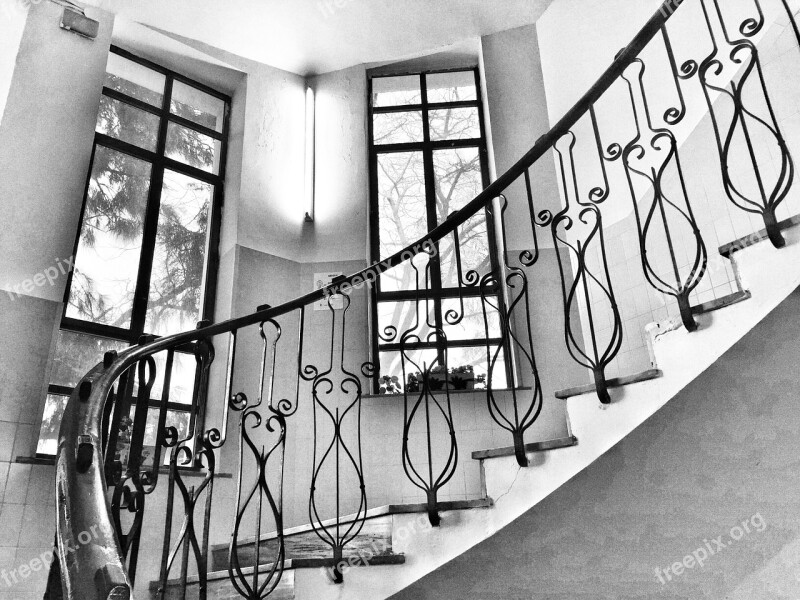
column 612, row 383
column 220, row 586
column 728, row 249
column 719, row 303
column 555, row 444
column 303, row 543
column 375, row 537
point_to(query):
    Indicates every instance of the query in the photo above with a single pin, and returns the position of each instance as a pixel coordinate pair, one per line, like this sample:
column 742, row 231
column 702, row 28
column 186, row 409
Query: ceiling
column 310, row 37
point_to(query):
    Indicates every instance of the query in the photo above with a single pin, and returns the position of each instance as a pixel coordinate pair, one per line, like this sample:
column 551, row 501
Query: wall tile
column 7, row 434
column 38, row 526
column 10, row 524
column 17, row 483
column 41, row 486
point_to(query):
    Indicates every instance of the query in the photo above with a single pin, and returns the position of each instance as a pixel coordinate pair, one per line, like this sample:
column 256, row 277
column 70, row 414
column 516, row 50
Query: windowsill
column 452, row 392
column 185, row 471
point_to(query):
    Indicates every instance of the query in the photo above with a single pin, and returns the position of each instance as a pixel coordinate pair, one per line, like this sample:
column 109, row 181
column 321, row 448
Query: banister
column 97, row 570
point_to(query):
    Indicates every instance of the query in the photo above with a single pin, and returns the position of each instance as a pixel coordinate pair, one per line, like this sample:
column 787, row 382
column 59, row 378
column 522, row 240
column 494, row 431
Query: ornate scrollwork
column 516, row 330
column 579, row 229
column 337, row 393
column 428, row 399
column 733, row 70
column 262, row 431
column 648, row 155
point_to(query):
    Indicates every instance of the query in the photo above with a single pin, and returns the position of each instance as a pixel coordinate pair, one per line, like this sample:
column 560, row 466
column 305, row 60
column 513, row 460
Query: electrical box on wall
column 76, row 22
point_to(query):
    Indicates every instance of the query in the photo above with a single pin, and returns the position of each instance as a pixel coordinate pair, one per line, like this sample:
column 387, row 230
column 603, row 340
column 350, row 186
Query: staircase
column 219, row 530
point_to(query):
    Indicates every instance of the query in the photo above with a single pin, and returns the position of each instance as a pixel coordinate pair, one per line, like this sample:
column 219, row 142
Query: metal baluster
column 649, row 155
column 428, row 396
column 587, row 222
column 718, row 72
column 337, row 378
column 272, row 419
column 517, row 311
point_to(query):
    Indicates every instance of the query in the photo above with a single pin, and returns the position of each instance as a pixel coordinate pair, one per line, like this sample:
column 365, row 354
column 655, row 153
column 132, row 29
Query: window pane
column 54, row 407
column 197, row 106
column 135, row 80
column 396, row 91
column 471, row 326
column 402, row 213
column 476, row 357
column 110, row 243
column 178, row 276
column 455, row 124
column 459, row 179
column 407, row 319
column 193, row 148
column 127, row 123
column 77, row 353
column 452, row 87
column 397, row 128
column 184, row 368
column 180, row 420
column 415, row 361
column 457, row 172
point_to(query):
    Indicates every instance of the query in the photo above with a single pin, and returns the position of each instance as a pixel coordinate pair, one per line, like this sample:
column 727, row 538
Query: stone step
column 303, row 544
column 566, row 442
column 612, row 383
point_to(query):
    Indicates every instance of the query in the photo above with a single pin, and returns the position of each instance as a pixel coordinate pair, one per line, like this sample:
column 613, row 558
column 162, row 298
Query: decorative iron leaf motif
column 662, row 221
column 337, row 394
column 733, row 70
column 427, row 408
column 579, row 229
column 516, row 330
column 262, row 449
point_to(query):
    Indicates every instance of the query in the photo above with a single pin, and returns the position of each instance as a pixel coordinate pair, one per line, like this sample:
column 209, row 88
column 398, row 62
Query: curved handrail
column 97, row 570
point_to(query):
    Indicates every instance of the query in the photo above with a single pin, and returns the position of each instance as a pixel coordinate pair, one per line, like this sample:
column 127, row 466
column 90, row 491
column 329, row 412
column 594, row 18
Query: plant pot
column 463, row 382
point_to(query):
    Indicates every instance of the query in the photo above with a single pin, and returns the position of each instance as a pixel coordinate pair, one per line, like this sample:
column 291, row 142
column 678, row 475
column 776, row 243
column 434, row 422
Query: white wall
column 45, row 146
column 13, row 15
column 578, row 41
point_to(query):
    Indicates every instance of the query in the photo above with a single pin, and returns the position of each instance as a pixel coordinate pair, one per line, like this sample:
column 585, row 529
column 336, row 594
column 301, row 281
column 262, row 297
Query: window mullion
column 149, row 235
column 435, row 284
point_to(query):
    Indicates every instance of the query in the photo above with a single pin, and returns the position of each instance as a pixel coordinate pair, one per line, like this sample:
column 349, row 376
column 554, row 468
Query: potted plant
column 463, row 377
column 414, row 383
column 480, row 381
column 390, row 385
column 437, row 377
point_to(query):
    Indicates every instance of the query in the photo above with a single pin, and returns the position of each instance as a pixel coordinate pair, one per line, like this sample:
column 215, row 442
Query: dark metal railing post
column 732, row 68
column 516, row 329
column 648, row 155
column 337, row 385
column 579, row 229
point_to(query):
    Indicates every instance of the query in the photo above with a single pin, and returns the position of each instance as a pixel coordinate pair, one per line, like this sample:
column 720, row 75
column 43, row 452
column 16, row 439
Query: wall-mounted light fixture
column 74, row 19
column 310, row 154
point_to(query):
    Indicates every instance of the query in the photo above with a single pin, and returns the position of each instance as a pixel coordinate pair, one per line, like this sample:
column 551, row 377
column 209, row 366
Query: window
column 428, row 159
column 145, row 254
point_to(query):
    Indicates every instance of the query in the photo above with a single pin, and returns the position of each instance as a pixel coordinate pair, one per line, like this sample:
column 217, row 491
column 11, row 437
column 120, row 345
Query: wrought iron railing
column 89, row 465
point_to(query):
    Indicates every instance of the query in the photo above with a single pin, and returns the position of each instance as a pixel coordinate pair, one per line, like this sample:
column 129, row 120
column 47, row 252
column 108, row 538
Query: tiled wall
column 27, row 510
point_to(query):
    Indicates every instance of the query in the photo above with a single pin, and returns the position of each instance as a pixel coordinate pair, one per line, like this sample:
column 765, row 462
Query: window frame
column 426, row 147
column 159, row 164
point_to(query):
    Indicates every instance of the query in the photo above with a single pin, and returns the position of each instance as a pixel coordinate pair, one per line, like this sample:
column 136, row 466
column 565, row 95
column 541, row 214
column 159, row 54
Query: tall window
column 146, row 249
column 428, row 159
